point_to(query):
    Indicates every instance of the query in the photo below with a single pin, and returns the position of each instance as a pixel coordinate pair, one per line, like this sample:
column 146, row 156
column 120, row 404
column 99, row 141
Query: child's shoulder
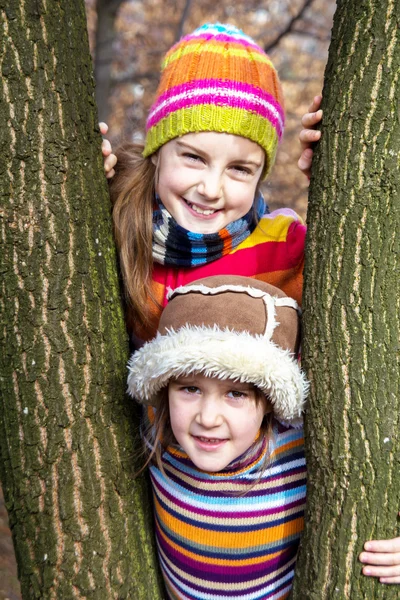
column 281, row 225
column 281, row 218
column 283, row 212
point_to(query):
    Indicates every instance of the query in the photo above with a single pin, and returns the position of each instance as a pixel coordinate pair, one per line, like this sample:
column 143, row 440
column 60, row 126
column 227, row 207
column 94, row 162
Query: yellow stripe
column 268, row 230
column 223, row 539
column 211, row 117
column 231, row 487
column 218, row 561
column 193, row 47
column 222, row 518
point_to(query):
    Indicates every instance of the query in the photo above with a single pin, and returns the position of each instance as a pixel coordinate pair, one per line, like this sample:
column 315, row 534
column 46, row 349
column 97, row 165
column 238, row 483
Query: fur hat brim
column 224, row 354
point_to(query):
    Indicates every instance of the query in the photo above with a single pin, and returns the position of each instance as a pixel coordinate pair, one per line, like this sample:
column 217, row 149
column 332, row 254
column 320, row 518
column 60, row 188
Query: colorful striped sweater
column 217, row 541
column 273, row 252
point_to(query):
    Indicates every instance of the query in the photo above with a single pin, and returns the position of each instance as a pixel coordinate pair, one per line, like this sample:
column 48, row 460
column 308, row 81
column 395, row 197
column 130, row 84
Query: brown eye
column 190, row 389
column 236, row 394
column 191, row 156
column 242, row 170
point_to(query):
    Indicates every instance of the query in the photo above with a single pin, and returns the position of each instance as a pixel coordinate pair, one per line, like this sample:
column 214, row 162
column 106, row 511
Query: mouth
column 205, row 212
column 207, row 443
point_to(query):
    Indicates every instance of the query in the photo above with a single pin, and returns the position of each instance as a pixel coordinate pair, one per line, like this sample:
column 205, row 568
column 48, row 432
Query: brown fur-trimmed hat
column 227, row 327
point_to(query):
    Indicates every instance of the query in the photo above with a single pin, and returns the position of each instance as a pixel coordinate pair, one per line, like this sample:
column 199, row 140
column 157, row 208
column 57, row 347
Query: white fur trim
column 272, row 323
column 251, row 291
column 224, row 354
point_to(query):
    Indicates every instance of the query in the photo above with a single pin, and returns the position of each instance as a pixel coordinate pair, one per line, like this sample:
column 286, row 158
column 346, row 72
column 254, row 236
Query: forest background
column 128, row 39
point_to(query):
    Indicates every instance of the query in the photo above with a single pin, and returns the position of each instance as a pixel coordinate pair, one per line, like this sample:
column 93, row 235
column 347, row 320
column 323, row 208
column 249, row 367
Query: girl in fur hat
column 225, row 443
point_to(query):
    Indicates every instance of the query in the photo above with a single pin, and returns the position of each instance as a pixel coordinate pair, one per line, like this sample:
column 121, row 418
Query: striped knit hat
column 217, row 79
column 229, row 327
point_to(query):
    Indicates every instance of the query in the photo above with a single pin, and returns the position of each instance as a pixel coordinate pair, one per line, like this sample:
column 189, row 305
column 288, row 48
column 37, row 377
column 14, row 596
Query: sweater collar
column 246, row 462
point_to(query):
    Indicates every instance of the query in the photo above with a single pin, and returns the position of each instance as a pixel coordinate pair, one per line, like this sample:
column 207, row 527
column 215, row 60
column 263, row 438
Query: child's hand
column 110, row 160
column 308, row 135
column 382, row 559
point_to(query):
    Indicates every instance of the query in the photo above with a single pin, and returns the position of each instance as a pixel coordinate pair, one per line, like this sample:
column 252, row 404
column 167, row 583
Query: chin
column 203, row 227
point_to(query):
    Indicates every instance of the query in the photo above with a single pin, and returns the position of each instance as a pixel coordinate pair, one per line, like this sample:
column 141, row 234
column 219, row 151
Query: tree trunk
column 68, row 436
column 352, row 309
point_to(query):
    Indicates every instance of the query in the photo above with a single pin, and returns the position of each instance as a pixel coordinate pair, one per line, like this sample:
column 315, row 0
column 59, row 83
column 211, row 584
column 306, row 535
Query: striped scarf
column 175, row 246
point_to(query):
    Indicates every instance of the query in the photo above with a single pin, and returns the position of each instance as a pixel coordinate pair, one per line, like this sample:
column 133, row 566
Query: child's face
column 207, row 180
column 214, row 421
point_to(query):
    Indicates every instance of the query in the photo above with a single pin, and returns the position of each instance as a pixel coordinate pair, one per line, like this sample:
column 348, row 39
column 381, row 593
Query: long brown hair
column 132, row 193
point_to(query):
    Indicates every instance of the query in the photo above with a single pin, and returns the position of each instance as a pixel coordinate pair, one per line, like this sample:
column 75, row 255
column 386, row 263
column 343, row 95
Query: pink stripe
column 222, row 101
column 225, row 512
column 240, row 86
column 223, row 37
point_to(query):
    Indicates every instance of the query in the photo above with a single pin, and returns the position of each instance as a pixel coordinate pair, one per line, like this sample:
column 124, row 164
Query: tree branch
column 289, row 27
column 184, row 16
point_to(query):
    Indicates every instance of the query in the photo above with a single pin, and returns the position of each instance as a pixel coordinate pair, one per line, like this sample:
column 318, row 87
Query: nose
column 209, row 414
column 210, row 184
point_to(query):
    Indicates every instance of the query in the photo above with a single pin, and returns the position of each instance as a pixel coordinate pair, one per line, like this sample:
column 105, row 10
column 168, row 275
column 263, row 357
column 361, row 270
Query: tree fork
column 68, row 436
column 352, row 309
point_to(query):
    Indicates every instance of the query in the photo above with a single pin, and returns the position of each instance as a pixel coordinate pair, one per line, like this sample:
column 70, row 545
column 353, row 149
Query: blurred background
column 128, row 39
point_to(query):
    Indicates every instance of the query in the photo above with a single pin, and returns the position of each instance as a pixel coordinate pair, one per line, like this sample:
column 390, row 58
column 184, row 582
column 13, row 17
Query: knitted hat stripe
column 195, row 48
column 228, row 101
column 215, row 30
column 223, row 38
column 223, row 87
column 209, row 117
column 256, row 74
column 185, row 96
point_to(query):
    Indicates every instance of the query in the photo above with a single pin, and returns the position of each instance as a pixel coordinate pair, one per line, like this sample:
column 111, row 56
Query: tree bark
column 68, row 436
column 352, row 309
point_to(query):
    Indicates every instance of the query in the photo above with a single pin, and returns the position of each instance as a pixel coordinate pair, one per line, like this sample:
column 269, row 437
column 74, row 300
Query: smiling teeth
column 199, row 210
column 210, row 440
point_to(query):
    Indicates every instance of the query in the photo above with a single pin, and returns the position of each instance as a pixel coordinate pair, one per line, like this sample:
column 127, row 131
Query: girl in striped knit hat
column 225, row 442
column 187, row 204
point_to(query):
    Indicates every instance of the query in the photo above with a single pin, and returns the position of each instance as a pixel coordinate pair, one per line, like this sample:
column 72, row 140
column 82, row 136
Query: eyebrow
column 239, row 161
column 193, row 148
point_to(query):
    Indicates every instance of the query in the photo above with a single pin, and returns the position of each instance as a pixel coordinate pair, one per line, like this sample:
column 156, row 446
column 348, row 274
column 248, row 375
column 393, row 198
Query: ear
column 154, row 159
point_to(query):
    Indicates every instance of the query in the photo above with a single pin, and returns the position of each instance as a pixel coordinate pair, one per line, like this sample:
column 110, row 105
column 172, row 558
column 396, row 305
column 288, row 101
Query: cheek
column 242, row 197
column 179, row 417
column 256, row 418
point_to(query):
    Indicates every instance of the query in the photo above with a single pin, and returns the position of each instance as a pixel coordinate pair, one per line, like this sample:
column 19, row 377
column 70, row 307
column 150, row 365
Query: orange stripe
column 223, row 539
column 217, row 561
column 193, row 67
column 288, row 446
column 227, row 239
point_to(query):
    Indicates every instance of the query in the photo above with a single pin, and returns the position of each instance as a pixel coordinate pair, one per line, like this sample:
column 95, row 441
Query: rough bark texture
column 352, row 309
column 68, row 437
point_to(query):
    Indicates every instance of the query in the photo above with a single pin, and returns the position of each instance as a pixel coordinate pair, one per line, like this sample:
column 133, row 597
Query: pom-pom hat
column 217, row 79
column 231, row 328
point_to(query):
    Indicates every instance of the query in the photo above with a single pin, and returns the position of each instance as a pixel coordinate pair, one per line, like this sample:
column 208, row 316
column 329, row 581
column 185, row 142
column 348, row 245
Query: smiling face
column 214, row 421
column 207, row 180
